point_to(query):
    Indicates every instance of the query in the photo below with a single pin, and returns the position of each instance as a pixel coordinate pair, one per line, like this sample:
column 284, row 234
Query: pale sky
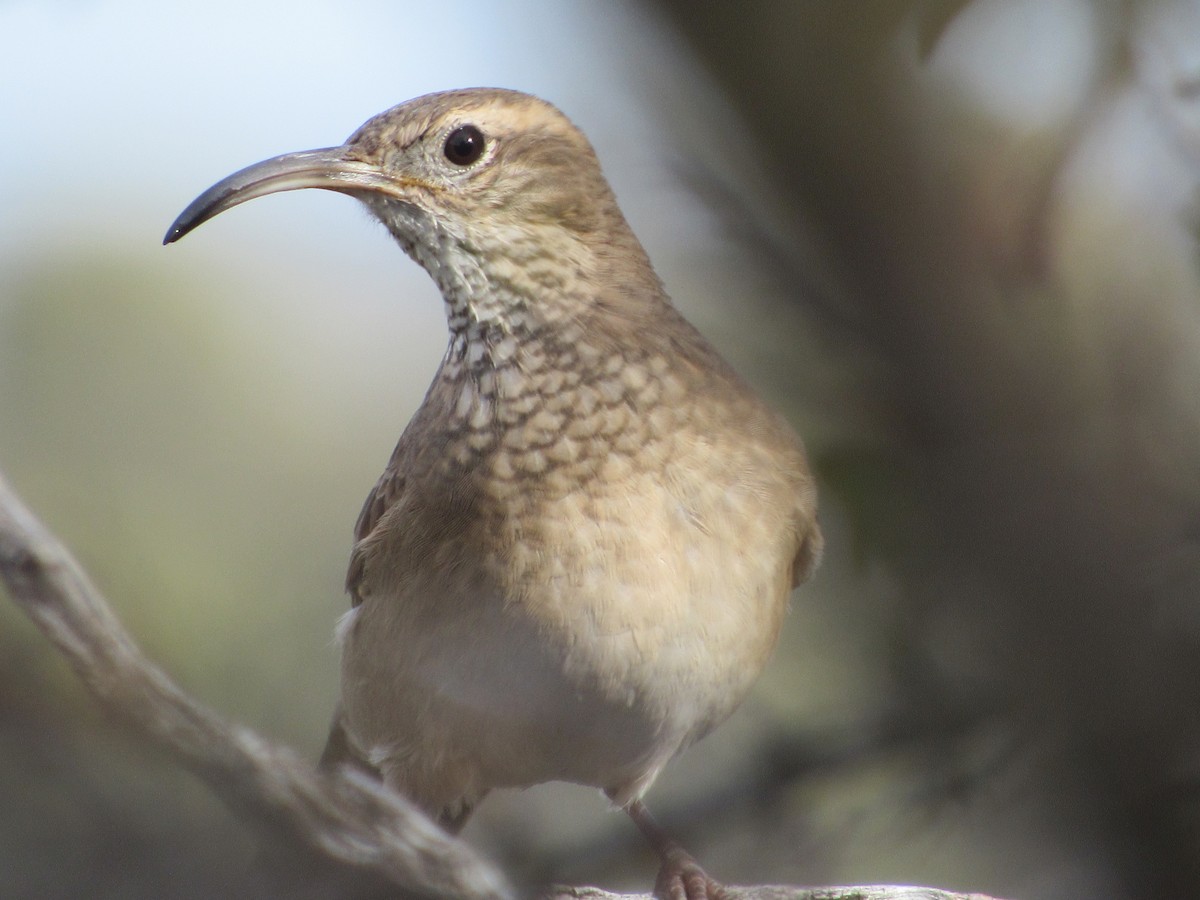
column 116, row 113
column 123, row 109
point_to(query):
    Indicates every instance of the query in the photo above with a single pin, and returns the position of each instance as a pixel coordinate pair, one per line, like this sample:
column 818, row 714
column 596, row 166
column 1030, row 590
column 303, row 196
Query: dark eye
column 464, row 145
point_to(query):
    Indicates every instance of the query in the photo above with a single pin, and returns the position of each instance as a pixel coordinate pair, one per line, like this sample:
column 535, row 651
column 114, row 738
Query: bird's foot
column 681, row 878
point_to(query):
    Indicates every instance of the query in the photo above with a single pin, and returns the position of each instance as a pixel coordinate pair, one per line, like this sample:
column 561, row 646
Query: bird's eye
column 464, row 145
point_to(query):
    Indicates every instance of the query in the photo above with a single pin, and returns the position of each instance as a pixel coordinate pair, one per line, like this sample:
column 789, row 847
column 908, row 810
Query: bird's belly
column 609, row 634
column 451, row 707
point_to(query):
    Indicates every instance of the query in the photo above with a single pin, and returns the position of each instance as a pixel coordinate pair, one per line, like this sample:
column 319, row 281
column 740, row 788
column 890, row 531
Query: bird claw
column 681, row 878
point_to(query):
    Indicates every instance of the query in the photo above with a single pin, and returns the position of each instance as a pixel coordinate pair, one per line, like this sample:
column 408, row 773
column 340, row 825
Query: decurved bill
column 327, row 168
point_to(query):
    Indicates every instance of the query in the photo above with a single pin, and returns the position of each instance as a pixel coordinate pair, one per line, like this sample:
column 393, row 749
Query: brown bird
column 578, row 558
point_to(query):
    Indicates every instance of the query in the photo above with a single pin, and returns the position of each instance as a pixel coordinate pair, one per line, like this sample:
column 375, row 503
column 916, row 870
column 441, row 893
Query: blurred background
column 955, row 240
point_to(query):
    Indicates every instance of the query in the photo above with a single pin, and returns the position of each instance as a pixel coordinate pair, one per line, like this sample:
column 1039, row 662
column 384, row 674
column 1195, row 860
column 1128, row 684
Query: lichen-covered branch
column 346, row 822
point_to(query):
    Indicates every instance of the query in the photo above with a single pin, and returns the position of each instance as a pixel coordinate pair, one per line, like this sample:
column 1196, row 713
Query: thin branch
column 345, row 820
column 789, row 892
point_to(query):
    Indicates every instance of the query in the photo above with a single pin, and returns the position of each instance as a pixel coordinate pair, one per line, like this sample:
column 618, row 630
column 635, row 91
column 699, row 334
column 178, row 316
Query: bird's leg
column 680, row 877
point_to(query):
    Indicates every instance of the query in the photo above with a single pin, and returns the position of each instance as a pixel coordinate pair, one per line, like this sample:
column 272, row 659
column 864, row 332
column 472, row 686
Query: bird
column 580, row 554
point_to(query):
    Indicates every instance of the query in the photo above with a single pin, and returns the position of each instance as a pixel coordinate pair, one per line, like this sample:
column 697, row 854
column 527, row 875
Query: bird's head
column 486, row 188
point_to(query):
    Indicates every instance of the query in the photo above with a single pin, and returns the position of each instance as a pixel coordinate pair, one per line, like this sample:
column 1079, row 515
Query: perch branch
column 789, row 892
column 344, row 819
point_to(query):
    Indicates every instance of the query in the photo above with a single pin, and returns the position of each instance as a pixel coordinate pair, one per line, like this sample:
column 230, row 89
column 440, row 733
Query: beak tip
column 324, row 168
column 175, row 232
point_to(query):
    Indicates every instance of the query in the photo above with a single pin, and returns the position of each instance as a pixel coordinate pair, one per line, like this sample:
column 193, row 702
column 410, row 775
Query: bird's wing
column 812, row 545
column 381, row 497
column 340, row 750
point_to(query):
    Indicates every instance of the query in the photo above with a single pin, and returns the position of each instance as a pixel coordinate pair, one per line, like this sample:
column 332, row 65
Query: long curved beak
column 327, row 168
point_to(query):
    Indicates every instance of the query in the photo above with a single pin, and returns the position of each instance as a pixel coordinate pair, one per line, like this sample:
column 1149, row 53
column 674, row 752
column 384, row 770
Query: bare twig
column 789, row 892
column 345, row 821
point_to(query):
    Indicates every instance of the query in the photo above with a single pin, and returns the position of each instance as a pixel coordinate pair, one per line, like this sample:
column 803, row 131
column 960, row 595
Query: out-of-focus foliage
column 134, row 443
column 146, row 429
column 1005, row 191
